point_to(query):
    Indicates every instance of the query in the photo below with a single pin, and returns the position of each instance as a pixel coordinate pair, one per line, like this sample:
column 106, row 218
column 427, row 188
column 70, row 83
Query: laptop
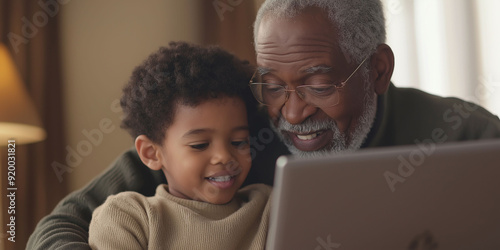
column 424, row 196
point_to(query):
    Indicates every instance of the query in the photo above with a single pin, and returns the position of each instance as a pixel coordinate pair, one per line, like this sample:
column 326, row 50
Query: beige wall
column 102, row 41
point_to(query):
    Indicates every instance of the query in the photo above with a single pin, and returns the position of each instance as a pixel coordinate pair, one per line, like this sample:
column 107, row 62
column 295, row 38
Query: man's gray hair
column 360, row 23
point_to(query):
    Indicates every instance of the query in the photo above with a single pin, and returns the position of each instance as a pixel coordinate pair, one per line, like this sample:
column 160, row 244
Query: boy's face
column 206, row 153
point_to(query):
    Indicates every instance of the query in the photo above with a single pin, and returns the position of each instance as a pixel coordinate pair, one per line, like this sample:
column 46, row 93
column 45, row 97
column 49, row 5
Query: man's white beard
column 340, row 142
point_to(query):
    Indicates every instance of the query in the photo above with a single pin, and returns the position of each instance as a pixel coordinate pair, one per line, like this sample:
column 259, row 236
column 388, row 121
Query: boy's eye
column 239, row 143
column 199, row 146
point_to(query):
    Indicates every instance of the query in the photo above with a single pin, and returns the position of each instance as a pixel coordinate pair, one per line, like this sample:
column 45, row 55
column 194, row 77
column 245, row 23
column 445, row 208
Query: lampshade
column 18, row 118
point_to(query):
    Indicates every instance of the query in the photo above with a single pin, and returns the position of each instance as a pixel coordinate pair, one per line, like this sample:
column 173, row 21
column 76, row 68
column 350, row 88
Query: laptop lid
column 424, row 196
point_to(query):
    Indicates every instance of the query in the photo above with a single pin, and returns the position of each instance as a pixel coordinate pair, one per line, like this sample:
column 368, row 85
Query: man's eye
column 200, row 146
column 273, row 88
column 321, row 90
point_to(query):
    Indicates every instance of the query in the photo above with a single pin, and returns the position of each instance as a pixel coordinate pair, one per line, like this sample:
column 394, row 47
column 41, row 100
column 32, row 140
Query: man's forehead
column 304, row 31
column 316, row 69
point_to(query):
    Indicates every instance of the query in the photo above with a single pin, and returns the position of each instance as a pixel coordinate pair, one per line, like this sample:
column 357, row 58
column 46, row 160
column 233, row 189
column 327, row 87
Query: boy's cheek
column 245, row 155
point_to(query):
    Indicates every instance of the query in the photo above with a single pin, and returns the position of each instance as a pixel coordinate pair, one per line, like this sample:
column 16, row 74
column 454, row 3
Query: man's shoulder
column 418, row 99
column 415, row 101
column 411, row 115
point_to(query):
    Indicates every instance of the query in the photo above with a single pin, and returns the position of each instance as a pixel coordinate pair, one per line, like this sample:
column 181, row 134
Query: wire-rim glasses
column 276, row 95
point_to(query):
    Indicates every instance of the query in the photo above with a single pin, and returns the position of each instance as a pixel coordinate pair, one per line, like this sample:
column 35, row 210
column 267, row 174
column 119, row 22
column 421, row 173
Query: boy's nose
column 222, row 155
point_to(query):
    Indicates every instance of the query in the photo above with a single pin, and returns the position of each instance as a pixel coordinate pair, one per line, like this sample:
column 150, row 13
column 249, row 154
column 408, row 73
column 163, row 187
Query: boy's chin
column 220, row 200
column 220, row 197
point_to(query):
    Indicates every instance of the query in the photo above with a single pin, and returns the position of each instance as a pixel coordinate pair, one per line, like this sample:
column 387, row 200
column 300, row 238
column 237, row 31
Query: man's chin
column 308, row 154
column 328, row 150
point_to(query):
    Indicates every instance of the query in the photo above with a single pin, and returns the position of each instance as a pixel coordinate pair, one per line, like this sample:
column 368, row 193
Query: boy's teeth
column 220, row 178
column 307, row 137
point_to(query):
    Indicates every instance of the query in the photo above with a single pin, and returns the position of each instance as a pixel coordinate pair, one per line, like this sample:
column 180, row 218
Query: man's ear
column 149, row 152
column 382, row 66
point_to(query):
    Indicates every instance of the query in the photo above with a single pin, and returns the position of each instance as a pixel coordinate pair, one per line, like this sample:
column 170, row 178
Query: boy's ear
column 148, row 152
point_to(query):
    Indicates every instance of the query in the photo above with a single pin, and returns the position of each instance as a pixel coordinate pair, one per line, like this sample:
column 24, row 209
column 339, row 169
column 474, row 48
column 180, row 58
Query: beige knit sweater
column 130, row 220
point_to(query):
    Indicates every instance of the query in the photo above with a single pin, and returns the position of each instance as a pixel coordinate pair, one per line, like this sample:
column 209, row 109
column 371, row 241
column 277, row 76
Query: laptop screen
column 415, row 197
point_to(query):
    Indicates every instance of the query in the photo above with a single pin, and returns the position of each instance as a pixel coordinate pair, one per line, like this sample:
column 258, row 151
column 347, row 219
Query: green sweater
column 404, row 116
column 130, row 220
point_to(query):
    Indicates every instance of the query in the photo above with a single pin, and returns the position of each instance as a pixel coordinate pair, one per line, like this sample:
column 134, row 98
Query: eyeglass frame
column 287, row 91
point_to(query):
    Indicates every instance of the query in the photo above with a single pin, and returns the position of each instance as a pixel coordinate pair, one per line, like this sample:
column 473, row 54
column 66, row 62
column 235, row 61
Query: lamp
column 18, row 118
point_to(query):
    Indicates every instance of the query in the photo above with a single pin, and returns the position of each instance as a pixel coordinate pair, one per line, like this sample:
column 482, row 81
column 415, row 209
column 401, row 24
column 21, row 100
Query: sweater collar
column 205, row 209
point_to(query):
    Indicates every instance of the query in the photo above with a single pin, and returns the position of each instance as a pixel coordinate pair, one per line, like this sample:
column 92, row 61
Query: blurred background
column 74, row 57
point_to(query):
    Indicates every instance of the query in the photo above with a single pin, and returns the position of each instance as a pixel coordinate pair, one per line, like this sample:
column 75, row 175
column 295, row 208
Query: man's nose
column 295, row 110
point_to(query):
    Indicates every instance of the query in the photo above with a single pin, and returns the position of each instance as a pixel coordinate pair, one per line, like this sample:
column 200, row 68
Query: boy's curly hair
column 181, row 74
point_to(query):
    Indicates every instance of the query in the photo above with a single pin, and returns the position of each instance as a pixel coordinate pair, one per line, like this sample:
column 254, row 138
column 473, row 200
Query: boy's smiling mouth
column 223, row 179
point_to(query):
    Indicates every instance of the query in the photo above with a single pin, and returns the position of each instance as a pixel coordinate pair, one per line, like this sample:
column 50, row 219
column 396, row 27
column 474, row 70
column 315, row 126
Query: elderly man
column 324, row 79
column 324, row 74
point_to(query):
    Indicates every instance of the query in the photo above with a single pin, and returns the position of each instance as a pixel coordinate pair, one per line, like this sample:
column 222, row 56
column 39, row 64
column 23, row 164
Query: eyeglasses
column 319, row 95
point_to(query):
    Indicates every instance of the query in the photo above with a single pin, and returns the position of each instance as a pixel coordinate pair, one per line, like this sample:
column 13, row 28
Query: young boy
column 188, row 109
